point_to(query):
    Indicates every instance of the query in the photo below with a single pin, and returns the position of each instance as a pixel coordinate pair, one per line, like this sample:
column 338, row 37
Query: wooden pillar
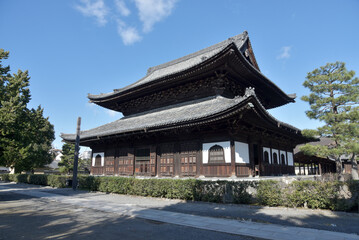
column 312, row 167
column 260, row 159
column 200, row 162
column 76, row 157
column 131, row 155
column 300, row 171
column 271, row 163
column 320, row 168
column 251, row 158
column 233, row 158
column 158, row 160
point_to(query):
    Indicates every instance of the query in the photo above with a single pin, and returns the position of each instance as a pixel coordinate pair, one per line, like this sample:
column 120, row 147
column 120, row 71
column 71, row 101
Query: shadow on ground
column 317, row 219
column 24, row 217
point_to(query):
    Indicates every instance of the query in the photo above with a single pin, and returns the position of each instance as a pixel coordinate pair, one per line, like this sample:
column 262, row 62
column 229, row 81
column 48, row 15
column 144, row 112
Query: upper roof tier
column 192, row 65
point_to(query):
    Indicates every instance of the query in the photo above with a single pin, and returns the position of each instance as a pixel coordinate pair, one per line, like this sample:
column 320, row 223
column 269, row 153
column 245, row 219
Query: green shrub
column 353, row 186
column 21, row 178
column 269, row 193
column 88, row 182
column 5, row 177
column 314, row 194
column 37, row 179
column 57, row 180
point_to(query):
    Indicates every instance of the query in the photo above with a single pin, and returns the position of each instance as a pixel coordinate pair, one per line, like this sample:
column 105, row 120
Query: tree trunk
column 354, row 168
column 338, row 163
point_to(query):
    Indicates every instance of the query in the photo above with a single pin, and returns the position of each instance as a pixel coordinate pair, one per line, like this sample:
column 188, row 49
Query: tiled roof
column 183, row 113
column 180, row 64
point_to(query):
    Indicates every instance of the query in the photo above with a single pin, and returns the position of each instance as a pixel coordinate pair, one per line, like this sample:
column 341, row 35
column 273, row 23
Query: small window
column 143, row 154
column 275, row 158
column 216, row 154
column 282, row 159
column 98, row 160
column 266, row 157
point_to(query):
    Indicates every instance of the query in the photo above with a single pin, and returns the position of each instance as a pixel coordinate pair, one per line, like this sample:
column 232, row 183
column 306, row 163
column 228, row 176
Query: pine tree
column 67, row 160
column 334, row 100
column 25, row 135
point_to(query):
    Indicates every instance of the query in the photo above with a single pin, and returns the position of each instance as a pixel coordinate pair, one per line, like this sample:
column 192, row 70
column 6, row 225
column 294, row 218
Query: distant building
column 204, row 114
column 57, row 159
column 311, row 165
column 85, row 155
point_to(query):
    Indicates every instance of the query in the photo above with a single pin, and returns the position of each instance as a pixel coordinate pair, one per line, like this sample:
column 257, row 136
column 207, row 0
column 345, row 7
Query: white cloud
column 152, row 11
column 96, row 8
column 122, row 8
column 129, row 35
column 149, row 12
column 284, row 52
column 112, row 113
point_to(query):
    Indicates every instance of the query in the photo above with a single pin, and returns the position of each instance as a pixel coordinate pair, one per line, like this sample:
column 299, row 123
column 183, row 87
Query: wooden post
column 76, row 157
column 233, row 161
column 320, row 168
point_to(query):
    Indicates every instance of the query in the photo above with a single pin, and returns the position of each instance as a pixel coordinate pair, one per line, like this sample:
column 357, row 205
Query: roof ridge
column 235, row 39
column 241, row 36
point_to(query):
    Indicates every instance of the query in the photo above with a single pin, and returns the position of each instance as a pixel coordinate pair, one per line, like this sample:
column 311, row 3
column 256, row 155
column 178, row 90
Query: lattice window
column 216, row 154
column 282, row 157
column 275, row 158
column 98, row 160
column 266, row 157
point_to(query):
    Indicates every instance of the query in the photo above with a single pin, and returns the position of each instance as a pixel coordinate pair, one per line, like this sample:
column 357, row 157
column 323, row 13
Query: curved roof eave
column 182, row 64
column 288, row 97
column 234, row 105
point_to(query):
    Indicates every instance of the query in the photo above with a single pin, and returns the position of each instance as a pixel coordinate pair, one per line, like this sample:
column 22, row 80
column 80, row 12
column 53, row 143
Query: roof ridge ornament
column 249, row 92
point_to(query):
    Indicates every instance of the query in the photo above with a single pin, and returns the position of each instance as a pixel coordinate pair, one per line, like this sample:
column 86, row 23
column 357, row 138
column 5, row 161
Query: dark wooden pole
column 76, row 157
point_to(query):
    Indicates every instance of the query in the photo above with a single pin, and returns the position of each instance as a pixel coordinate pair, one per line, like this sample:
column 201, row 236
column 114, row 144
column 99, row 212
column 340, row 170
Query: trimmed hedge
column 332, row 195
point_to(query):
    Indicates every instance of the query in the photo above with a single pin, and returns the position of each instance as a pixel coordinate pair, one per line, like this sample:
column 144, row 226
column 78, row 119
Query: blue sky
column 75, row 47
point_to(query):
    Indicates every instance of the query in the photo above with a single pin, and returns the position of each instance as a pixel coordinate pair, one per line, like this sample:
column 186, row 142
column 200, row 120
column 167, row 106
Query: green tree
column 25, row 134
column 67, row 160
column 334, row 100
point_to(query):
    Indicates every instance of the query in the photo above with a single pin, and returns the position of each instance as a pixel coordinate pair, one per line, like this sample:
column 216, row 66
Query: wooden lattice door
column 167, row 160
column 125, row 162
column 110, row 165
column 142, row 162
column 188, row 157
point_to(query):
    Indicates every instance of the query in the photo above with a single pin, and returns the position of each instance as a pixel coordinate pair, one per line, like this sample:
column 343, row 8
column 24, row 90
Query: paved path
column 244, row 228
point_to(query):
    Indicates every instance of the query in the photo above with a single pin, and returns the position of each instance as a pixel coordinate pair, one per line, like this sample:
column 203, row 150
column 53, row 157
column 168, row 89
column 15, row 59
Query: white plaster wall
column 226, row 147
column 102, row 154
column 242, row 152
column 285, row 157
column 277, row 152
column 290, row 159
column 267, row 150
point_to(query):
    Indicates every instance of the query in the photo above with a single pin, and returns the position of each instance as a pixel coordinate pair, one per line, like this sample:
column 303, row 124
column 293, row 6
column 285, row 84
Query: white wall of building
column 226, row 147
column 265, row 149
column 285, row 156
column 102, row 154
column 242, row 152
column 277, row 152
column 290, row 159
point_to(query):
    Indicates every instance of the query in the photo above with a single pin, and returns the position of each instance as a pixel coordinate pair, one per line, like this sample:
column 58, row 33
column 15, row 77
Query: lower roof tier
column 196, row 112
